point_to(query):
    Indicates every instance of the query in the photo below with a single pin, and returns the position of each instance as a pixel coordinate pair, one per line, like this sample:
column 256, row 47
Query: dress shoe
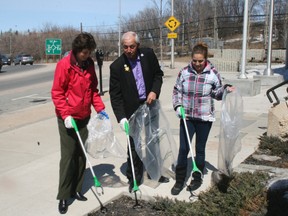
column 177, row 188
column 63, row 206
column 163, row 179
column 79, row 196
column 130, row 188
column 194, row 184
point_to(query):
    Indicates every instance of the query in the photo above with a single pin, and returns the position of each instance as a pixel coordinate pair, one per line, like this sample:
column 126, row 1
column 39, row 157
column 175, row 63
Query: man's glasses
column 131, row 46
column 199, row 61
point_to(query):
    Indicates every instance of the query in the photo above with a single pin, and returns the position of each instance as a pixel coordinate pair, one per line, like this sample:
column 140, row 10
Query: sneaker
column 194, row 185
column 177, row 188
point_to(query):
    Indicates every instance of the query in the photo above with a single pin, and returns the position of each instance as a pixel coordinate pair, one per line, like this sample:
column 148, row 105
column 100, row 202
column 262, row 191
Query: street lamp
column 244, row 43
column 268, row 71
column 119, row 30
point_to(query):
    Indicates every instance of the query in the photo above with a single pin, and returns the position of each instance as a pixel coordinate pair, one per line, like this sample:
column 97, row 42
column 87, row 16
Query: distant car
column 5, row 60
column 23, row 59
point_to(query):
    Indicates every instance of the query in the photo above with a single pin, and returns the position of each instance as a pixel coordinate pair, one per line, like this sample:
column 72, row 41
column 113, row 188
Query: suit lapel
column 127, row 70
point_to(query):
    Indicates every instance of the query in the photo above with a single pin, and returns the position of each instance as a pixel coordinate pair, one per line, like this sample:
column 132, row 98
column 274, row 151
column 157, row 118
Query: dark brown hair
column 200, row 48
column 82, row 41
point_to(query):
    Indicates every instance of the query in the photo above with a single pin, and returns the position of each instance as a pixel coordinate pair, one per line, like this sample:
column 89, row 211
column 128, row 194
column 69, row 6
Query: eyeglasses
column 199, row 61
column 131, row 46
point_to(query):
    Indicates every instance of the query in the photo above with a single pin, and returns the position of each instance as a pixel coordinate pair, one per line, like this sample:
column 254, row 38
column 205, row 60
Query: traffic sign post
column 53, row 46
column 172, row 24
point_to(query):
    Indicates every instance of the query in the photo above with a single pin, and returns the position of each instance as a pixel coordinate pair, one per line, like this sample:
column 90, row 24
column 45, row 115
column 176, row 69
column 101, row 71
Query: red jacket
column 74, row 89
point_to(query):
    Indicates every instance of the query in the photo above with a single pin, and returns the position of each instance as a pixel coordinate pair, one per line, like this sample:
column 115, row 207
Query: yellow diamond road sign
column 172, row 23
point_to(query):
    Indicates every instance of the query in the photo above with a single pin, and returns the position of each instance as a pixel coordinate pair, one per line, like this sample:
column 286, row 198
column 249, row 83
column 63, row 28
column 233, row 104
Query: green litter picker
column 97, row 184
column 194, row 166
column 135, row 186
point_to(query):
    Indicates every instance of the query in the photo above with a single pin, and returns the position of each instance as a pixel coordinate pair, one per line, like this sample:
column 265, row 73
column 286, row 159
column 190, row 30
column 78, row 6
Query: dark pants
column 138, row 165
column 151, row 125
column 202, row 130
column 73, row 161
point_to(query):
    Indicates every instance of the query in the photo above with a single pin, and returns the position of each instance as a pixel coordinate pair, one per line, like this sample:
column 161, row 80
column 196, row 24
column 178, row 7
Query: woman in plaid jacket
column 196, row 86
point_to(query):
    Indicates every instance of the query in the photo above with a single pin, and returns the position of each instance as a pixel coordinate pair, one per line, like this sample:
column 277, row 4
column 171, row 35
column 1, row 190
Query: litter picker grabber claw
column 135, row 186
column 97, row 184
column 103, row 209
column 194, row 166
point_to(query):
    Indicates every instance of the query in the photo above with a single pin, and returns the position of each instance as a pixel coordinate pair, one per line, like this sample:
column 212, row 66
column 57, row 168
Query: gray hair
column 129, row 34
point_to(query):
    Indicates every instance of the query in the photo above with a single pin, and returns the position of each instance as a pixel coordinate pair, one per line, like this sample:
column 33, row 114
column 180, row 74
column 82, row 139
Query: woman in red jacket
column 73, row 92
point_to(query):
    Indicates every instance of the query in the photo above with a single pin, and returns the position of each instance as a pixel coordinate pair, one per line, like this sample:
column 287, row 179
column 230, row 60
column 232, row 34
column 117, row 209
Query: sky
column 35, row 14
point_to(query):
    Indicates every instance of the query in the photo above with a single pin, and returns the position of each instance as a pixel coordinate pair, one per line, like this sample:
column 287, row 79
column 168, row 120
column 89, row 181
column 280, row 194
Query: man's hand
column 122, row 123
column 151, row 97
column 68, row 122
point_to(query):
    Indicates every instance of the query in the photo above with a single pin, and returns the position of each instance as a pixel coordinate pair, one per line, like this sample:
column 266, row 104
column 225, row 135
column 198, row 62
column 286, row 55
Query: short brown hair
column 82, row 41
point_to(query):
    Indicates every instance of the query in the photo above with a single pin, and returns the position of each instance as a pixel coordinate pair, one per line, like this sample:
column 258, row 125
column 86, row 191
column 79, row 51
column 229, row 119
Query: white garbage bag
column 101, row 141
column 230, row 125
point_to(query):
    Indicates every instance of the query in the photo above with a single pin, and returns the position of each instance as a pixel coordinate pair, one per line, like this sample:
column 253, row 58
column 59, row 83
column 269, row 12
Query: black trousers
column 73, row 161
column 138, row 165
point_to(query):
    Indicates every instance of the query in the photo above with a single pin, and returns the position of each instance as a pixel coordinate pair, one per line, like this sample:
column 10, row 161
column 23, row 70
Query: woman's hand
column 230, row 89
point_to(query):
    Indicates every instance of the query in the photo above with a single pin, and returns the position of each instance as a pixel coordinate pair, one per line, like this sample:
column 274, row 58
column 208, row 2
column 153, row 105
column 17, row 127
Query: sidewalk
column 29, row 155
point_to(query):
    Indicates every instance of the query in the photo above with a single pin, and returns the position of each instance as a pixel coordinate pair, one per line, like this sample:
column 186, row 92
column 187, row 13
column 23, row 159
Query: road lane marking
column 28, row 96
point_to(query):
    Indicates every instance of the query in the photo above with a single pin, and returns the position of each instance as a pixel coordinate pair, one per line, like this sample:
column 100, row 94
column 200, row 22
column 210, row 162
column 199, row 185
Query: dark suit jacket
column 122, row 88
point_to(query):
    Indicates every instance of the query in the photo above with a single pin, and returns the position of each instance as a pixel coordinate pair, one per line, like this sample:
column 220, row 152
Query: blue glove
column 103, row 115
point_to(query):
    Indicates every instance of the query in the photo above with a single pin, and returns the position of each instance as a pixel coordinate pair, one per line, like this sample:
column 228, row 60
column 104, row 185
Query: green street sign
column 53, row 46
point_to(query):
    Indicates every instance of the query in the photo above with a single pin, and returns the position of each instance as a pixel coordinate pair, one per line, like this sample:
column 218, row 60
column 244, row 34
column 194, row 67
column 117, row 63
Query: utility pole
column 286, row 32
column 183, row 29
column 244, row 43
column 266, row 29
column 172, row 39
column 119, row 30
column 160, row 29
column 268, row 71
column 215, row 25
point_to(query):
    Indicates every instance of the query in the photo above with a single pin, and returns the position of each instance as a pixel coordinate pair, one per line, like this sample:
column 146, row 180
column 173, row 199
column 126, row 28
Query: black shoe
column 79, row 196
column 194, row 184
column 63, row 206
column 130, row 188
column 163, row 179
column 177, row 188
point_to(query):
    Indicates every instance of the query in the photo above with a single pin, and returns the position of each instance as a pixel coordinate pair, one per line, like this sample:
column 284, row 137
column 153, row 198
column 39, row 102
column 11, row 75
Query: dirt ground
column 125, row 206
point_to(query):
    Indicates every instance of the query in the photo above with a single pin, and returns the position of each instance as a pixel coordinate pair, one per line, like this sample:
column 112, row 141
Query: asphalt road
column 23, row 86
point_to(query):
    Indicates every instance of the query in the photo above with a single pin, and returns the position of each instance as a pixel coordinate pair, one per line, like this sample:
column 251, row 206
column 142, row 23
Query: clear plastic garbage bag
column 153, row 140
column 230, row 125
column 101, row 141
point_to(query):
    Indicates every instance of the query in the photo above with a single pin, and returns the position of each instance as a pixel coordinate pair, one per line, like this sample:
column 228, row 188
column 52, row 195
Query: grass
column 246, row 195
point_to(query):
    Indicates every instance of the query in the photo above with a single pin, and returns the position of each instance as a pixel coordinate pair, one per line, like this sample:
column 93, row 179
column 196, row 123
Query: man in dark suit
column 135, row 78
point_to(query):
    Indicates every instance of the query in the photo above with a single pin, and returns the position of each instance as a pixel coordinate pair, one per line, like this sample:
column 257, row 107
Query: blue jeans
column 202, row 130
